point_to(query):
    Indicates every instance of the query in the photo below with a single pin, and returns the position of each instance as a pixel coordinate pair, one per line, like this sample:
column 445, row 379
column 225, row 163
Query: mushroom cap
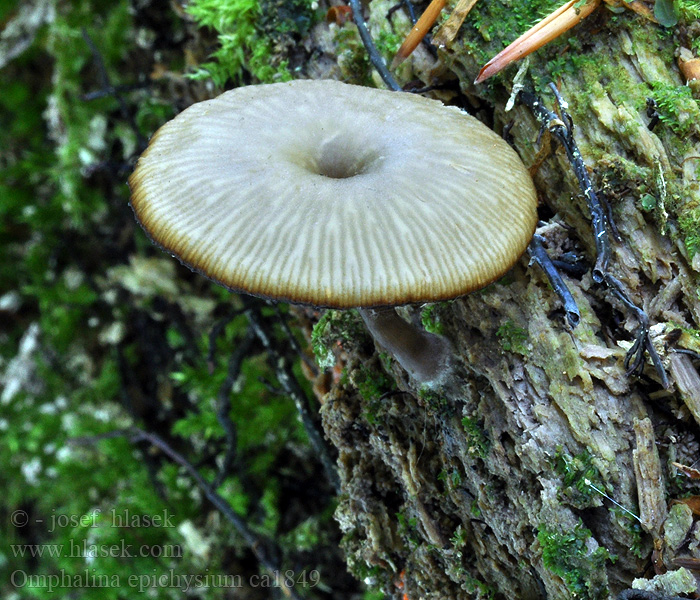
column 325, row 193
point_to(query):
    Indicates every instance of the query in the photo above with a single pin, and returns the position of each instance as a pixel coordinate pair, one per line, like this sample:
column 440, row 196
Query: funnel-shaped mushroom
column 330, row 194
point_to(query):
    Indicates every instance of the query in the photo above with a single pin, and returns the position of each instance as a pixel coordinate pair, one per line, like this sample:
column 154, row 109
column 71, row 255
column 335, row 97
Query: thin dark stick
column 409, row 8
column 609, row 216
column 107, row 85
column 374, row 56
column 223, row 406
column 214, row 334
column 261, row 547
column 562, row 130
column 539, row 255
column 291, row 387
column 264, row 549
column 114, row 90
column 309, row 362
column 643, row 341
column 691, row 353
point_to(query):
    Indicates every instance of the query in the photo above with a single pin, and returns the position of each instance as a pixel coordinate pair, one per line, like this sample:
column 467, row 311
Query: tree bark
column 541, row 469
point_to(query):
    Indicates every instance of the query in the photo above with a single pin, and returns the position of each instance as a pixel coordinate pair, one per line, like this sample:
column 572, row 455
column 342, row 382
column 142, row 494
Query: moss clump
column 334, row 327
column 451, row 480
column 475, row 586
column 632, row 528
column 676, row 107
column 408, row 528
column 372, row 384
column 688, row 11
column 499, row 23
column 431, row 320
column 569, row 555
column 255, row 36
column 689, row 223
column 512, row 338
column 352, row 57
column 579, row 475
column 435, row 401
column 478, row 443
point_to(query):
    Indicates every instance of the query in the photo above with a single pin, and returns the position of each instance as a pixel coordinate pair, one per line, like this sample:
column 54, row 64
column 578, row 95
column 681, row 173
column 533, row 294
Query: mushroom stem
column 425, row 356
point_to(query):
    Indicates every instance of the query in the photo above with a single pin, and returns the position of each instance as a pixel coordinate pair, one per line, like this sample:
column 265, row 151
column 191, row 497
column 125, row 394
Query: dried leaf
column 689, row 471
column 666, row 12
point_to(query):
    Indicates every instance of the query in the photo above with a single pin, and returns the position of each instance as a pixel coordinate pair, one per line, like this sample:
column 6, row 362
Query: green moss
column 388, row 43
column 79, row 129
column 434, row 400
column 254, row 36
column 408, row 528
column 611, row 86
column 334, row 327
column 478, row 443
column 431, row 320
column 372, row 385
column 578, row 473
column 475, row 586
column 688, row 11
column 676, row 107
column 451, row 480
column 689, row 222
column 512, row 338
column 459, row 538
column 352, row 57
column 500, row 22
column 634, row 530
column 568, row 555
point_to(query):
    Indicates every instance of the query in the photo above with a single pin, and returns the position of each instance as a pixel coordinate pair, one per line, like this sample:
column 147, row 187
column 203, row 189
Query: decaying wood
column 650, row 485
column 500, row 482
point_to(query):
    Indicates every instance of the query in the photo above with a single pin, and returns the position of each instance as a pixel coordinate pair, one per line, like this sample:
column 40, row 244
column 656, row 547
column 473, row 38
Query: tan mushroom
column 329, row 194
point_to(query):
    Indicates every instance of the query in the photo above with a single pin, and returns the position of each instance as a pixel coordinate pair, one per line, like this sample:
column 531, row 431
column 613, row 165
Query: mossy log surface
column 492, row 485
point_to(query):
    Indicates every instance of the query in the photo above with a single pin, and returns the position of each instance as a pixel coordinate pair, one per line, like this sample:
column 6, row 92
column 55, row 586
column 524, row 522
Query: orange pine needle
column 549, row 28
column 418, row 31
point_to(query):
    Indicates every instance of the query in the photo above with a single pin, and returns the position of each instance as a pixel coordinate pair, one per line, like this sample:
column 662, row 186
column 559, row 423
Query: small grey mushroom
column 335, row 195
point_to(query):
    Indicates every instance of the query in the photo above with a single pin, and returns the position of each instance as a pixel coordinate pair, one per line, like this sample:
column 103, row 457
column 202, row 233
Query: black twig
column 690, row 353
column 283, row 370
column 223, row 406
column 539, row 255
column 309, row 362
column 214, row 334
column 652, row 113
column 108, row 89
column 609, row 216
column 264, row 549
column 642, row 342
column 374, row 56
column 408, row 5
column 561, row 128
column 572, row 264
column 114, row 90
